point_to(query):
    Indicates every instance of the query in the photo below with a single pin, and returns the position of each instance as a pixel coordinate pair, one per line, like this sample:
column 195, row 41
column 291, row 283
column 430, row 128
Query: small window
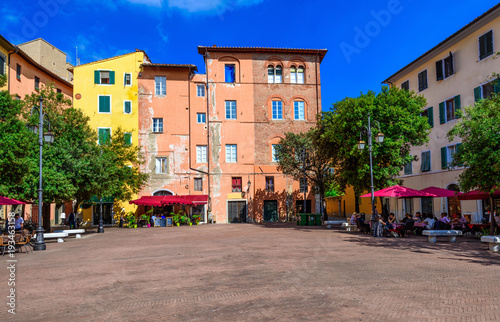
column 448, row 109
column 127, row 107
column 230, row 110
column 274, row 74
column 201, row 154
column 445, row 68
column 486, row 90
column 58, row 91
column 277, row 110
column 408, row 168
column 229, row 73
column 198, row 184
column 425, row 159
column 236, row 184
column 486, row 45
column 127, row 137
column 303, row 185
column 298, row 110
column 157, row 125
column 160, row 85
column 200, row 90
column 37, row 83
column 161, row 165
column 422, row 80
column 201, row 118
column 127, row 79
column 104, row 104
column 406, row 85
column 447, row 155
column 270, row 184
column 18, row 72
column 297, row 75
column 429, row 114
column 231, row 153
column 2, row 64
column 273, row 153
column 104, row 77
column 104, row 135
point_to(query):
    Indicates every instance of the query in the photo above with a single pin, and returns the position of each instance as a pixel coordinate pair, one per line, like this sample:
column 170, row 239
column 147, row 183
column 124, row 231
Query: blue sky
column 169, row 31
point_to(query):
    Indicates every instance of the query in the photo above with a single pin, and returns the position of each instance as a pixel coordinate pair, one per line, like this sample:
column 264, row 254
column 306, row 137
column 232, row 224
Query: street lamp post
column 379, row 138
column 100, row 229
column 304, row 179
column 49, row 138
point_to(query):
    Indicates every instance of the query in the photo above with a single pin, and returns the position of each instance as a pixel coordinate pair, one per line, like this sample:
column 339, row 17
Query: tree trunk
column 356, row 204
column 493, row 224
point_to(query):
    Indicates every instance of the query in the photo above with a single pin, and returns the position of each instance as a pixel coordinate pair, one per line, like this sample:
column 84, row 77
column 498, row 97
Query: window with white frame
column 201, row 118
column 201, row 154
column 160, row 85
column 485, row 90
column 277, row 110
column 425, row 161
column 200, row 90
column 274, row 74
column 448, row 109
column 161, row 165
column 448, row 155
column 422, row 80
column 486, row 45
column 445, row 67
column 104, row 104
column 127, row 107
column 127, row 79
column 230, row 110
column 18, row 71
column 198, row 184
column 298, row 110
column 104, row 135
column 297, row 74
column 273, row 153
column 231, row 153
column 127, row 138
column 104, row 77
column 158, row 125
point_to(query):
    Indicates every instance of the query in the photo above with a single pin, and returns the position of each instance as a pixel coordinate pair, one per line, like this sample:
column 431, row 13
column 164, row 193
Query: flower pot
column 177, row 224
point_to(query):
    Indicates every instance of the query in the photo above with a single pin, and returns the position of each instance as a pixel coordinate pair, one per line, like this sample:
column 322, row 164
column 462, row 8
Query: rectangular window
column 270, row 184
column 231, row 153
column 429, row 114
column 161, row 165
column 303, row 185
column 445, row 68
column 422, row 80
column 230, row 110
column 104, row 135
column 298, row 110
column 127, row 79
column 300, row 75
column 127, row 137
column 277, row 107
column 200, row 90
column 486, row 45
column 236, row 184
column 405, row 85
column 18, row 71
column 408, row 168
column 425, row 161
column 448, row 109
column 273, row 153
column 157, row 125
column 37, row 83
column 486, row 90
column 201, row 154
column 198, row 184
column 201, row 118
column 447, row 155
column 160, row 85
column 127, row 107
column 229, row 73
column 104, row 77
column 104, row 104
column 2, row 64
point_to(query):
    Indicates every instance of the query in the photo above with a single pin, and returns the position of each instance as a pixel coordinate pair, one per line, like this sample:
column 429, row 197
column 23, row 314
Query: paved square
column 255, row 272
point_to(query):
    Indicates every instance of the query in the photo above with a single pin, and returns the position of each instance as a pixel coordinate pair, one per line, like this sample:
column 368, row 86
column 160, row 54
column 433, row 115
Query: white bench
column 433, row 234
column 75, row 232
column 59, row 236
column 330, row 223
column 494, row 242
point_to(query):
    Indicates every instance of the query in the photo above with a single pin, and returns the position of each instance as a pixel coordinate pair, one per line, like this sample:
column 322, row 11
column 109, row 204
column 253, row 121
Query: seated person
column 444, row 221
column 391, row 220
column 353, row 218
column 460, row 221
column 418, row 217
column 19, row 223
column 362, row 225
column 407, row 218
column 429, row 221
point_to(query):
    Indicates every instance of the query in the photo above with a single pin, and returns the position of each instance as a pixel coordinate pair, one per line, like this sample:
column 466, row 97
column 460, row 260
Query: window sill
column 99, row 112
column 156, row 132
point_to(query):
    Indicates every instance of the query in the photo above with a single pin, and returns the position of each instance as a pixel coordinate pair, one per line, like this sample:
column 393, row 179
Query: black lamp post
column 304, row 179
column 379, row 138
column 249, row 183
column 49, row 138
column 100, row 229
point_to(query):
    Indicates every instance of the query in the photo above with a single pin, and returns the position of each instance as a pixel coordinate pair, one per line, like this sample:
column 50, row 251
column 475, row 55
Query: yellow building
column 455, row 73
column 5, row 48
column 106, row 90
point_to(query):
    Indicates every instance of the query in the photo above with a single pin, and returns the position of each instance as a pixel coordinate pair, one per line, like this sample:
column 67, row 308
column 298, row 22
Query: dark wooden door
column 271, row 210
column 236, row 212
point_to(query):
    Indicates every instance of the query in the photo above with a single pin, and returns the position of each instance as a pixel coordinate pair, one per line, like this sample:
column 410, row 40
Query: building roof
column 190, row 66
column 43, row 40
column 114, row 57
column 445, row 42
column 321, row 52
column 5, row 43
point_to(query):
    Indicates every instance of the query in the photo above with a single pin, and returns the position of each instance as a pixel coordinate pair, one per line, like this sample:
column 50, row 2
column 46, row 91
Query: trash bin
column 311, row 219
column 317, row 218
column 302, row 220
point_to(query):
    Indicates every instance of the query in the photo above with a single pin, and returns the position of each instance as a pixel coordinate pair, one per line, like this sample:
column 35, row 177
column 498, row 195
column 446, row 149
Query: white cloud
column 198, row 6
column 163, row 34
column 152, row 3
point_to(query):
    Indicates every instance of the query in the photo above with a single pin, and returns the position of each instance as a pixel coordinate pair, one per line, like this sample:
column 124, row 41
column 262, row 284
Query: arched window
column 274, row 74
column 297, row 75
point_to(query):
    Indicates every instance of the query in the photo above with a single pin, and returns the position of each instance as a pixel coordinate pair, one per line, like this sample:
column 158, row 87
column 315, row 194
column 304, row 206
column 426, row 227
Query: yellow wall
column 85, row 87
column 5, row 53
column 332, row 205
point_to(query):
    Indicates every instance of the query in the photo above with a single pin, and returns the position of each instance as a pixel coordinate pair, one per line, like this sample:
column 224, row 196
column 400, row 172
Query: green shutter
column 103, row 136
column 111, row 77
column 439, row 70
column 97, row 77
column 444, row 162
column 497, row 85
column 128, row 138
column 442, row 116
column 104, row 104
column 458, row 107
column 458, row 148
column 477, row 93
column 430, row 116
column 423, row 161
column 128, row 107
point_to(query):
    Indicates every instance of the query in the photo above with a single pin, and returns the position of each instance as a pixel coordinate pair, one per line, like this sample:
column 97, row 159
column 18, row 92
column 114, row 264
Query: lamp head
column 361, row 145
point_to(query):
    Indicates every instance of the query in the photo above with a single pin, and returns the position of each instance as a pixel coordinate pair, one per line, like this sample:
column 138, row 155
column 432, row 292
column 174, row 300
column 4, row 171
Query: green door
column 271, row 210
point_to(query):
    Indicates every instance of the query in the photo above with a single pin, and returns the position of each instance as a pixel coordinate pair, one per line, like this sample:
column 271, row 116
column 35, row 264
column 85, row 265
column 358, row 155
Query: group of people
column 71, row 222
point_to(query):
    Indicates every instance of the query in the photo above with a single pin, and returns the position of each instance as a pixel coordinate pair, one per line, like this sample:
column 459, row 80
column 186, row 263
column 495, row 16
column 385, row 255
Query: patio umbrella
column 175, row 200
column 440, row 192
column 399, row 192
column 8, row 201
column 477, row 195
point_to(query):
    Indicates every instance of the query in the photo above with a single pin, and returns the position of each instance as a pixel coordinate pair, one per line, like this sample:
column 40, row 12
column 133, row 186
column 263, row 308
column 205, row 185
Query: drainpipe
column 207, row 90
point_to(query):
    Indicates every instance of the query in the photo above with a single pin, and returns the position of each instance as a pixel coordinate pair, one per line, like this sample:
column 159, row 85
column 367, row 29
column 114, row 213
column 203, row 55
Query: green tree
column 398, row 112
column 479, row 153
column 290, row 152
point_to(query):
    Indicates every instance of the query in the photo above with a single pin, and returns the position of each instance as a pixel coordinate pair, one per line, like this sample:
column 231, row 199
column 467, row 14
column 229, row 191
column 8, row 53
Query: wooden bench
column 494, row 242
column 433, row 234
column 59, row 236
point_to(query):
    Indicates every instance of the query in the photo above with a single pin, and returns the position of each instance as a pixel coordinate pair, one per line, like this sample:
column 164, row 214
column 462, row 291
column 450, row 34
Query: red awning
column 8, row 201
column 399, row 192
column 158, row 201
column 197, row 199
column 477, row 195
column 440, row 192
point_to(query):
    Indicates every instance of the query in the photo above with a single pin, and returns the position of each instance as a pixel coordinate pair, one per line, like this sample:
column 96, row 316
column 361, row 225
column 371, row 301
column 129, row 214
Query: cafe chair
column 408, row 228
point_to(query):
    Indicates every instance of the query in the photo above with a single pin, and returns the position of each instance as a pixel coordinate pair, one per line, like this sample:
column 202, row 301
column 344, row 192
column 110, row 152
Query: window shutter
column 477, row 93
column 430, row 116
column 452, row 66
column 442, row 118
column 423, row 162
column 439, row 70
column 128, row 138
column 457, row 104
column 97, row 77
column 444, row 162
column 111, row 77
column 457, row 151
column 497, row 85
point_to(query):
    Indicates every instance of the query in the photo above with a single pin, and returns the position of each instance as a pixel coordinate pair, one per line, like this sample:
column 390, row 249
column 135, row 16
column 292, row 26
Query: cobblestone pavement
column 249, row 272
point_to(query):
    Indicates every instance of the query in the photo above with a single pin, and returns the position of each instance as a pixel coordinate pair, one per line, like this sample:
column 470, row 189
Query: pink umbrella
column 400, row 192
column 9, row 201
column 477, row 195
column 440, row 192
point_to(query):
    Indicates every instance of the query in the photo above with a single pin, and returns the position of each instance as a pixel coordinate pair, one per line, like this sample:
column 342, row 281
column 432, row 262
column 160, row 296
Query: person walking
column 63, row 218
column 71, row 221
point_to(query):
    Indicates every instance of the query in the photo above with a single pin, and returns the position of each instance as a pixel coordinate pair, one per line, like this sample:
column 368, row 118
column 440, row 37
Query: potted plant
column 176, row 218
column 131, row 220
column 196, row 219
